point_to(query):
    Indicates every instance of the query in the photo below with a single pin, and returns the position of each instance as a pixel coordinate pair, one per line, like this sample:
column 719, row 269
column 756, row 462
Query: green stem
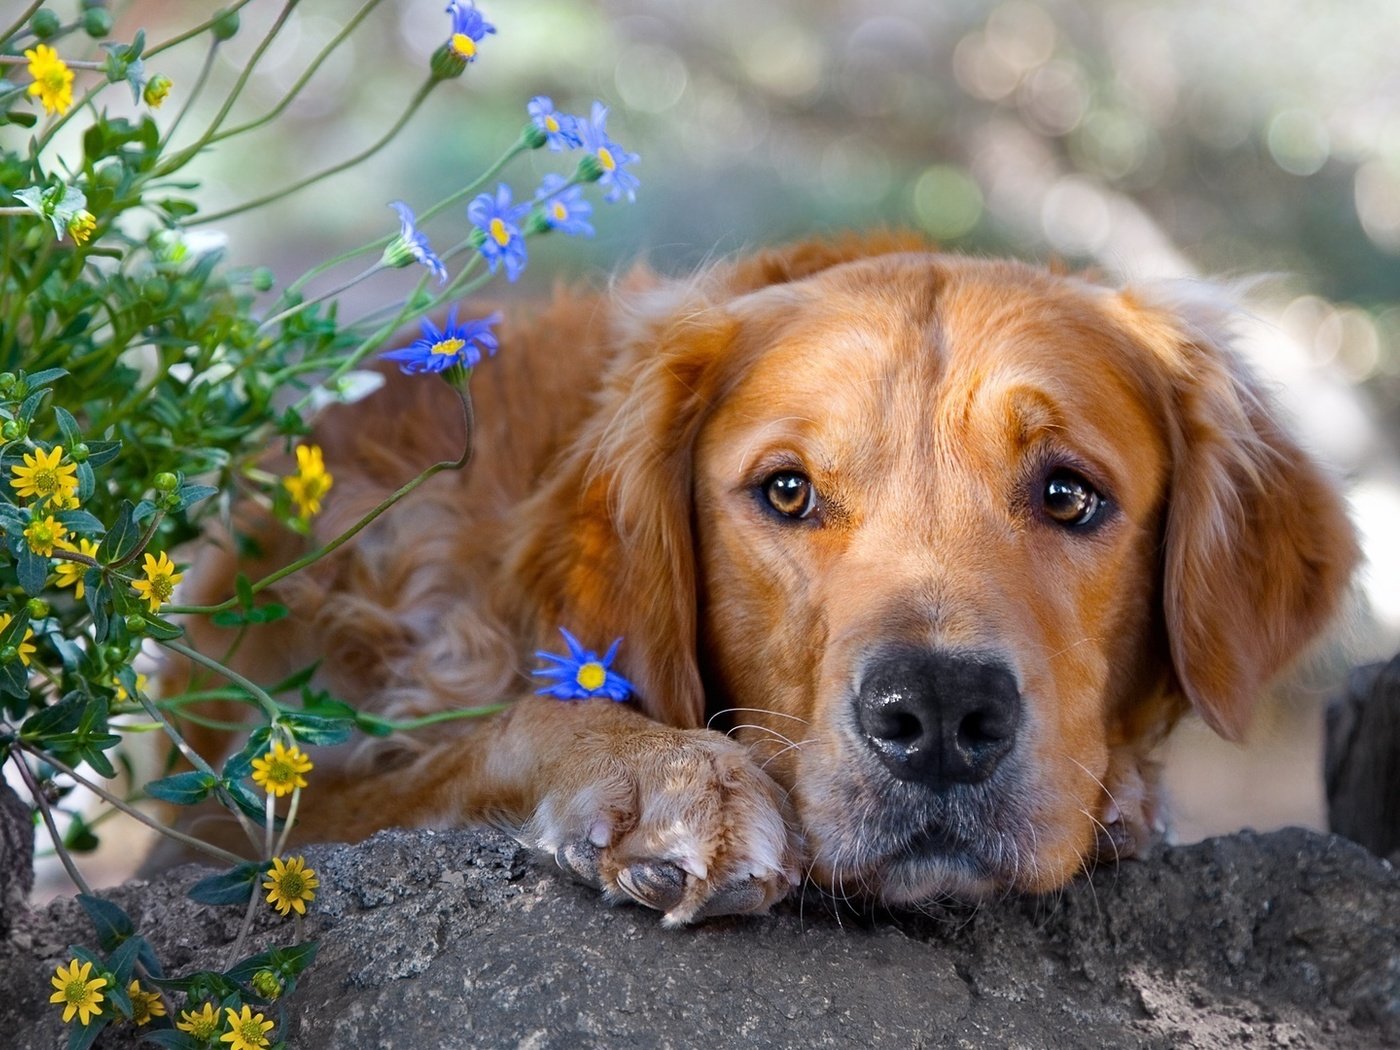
column 454, row 715
column 334, row 169
column 306, row 75
column 47, row 813
column 292, row 311
column 131, row 811
column 194, row 92
column 21, row 20
column 166, row 45
column 269, row 705
column 318, row 554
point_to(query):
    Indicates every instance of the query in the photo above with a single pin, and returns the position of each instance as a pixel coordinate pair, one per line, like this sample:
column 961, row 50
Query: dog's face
column 957, row 541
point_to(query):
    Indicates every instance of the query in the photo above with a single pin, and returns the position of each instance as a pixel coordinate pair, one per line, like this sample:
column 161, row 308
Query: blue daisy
column 499, row 222
column 583, row 675
column 566, row 211
column 468, row 27
column 612, row 158
column 411, row 245
column 560, row 129
column 454, row 344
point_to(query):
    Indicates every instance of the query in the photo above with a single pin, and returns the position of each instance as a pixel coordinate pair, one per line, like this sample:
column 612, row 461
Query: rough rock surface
column 462, row 939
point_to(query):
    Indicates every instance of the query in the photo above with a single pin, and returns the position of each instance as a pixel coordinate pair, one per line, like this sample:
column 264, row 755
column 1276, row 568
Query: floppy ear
column 608, row 549
column 1258, row 547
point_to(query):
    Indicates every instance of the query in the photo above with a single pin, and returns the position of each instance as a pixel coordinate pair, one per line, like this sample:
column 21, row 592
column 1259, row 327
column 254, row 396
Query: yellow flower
column 202, row 1024
column 70, row 573
column 121, row 693
column 145, row 1005
column 53, row 80
column 44, row 476
column 157, row 88
column 247, row 1031
column 291, row 884
column 24, row 649
column 281, row 769
column 78, row 991
column 310, row 482
column 81, row 225
column 43, row 534
column 160, row 581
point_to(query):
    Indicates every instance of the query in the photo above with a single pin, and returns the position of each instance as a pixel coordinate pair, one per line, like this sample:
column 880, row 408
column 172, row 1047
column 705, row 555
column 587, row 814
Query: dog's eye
column 1070, row 500
column 791, row 494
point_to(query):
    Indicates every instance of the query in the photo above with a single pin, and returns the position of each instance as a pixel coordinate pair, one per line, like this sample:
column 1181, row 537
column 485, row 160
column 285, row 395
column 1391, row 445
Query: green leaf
column 191, row 494
column 253, row 805
column 100, row 452
column 287, row 963
column 315, row 729
column 33, row 571
column 31, row 406
column 269, row 613
column 183, row 789
column 80, row 521
column 174, row 1040
column 79, row 837
column 230, row 887
column 60, row 718
column 14, row 680
column 161, row 630
column 45, row 376
column 66, row 423
column 98, row 592
column 113, row 925
column 121, row 538
column 87, row 481
column 82, row 1036
column 244, row 587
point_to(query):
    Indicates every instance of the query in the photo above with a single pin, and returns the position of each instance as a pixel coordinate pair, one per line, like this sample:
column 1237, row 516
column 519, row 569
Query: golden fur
column 622, row 441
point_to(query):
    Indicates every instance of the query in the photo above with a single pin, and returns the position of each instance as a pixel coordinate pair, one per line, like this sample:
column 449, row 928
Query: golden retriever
column 915, row 558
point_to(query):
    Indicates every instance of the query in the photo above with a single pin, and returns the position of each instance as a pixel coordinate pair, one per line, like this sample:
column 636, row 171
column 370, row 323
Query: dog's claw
column 581, row 860
column 657, row 885
column 738, row 899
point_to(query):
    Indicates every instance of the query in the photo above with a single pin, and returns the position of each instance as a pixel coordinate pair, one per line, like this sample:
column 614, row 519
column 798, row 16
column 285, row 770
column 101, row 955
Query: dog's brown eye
column 791, row 494
column 1070, row 500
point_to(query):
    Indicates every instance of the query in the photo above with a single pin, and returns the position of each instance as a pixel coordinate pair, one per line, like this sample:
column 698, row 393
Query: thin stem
column 142, row 543
column 287, row 825
column 193, row 93
column 306, row 75
column 22, row 19
column 27, row 775
column 292, row 311
column 131, row 811
column 236, row 948
column 166, row 45
column 72, row 63
column 316, row 555
column 259, row 694
column 334, row 169
column 269, row 827
column 438, row 717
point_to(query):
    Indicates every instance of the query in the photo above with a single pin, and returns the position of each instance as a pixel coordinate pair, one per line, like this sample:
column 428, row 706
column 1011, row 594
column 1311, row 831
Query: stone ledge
column 462, row 939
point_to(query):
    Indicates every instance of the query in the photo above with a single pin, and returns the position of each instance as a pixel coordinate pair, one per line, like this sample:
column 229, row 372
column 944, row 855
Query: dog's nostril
column 981, row 728
column 898, row 727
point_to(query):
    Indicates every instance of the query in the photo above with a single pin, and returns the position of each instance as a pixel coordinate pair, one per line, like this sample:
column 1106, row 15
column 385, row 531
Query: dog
column 914, row 559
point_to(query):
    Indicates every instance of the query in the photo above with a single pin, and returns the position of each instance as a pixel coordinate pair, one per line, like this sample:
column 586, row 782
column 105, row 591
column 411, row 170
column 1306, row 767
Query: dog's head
column 952, row 542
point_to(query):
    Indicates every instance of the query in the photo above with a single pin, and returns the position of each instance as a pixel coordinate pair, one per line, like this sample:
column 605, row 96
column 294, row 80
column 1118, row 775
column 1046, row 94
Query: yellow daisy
column 281, row 769
column 53, row 80
column 24, row 649
column 78, row 991
column 247, row 1031
column 44, row 476
column 311, row 481
column 43, row 534
column 144, row 1005
column 291, row 885
column 81, row 225
column 70, row 573
column 203, row 1024
column 160, row 581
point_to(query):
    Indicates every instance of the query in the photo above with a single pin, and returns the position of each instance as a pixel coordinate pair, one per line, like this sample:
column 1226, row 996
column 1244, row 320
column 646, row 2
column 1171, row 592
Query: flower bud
column 7, row 382
column 81, row 225
column 225, row 25
column 534, row 136
column 538, row 222
column 165, row 481
column 97, row 23
column 135, row 623
column 45, row 24
column 447, row 63
column 14, row 429
column 156, row 90
column 8, row 654
column 38, row 608
column 155, row 289
column 80, row 452
column 590, row 168
column 170, row 501
column 477, row 237
column 268, row 985
column 263, row 279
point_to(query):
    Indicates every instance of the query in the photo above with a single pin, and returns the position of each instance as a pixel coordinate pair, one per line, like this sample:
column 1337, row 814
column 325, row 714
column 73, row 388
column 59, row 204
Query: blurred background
column 1180, row 139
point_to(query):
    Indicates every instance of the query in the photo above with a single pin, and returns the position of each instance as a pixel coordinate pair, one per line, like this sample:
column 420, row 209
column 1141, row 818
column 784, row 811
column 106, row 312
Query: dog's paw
column 681, row 821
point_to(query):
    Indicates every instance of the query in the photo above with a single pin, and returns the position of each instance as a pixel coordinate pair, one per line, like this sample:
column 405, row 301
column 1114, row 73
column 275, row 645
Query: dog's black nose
column 938, row 718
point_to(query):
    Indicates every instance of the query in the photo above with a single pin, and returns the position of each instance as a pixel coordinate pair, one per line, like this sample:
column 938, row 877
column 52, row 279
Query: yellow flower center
column 550, row 124
column 499, row 233
column 161, row 586
column 605, row 158
column 559, row 212
column 45, row 482
column 449, row 346
column 251, row 1032
column 281, row 771
column 76, row 991
column 591, row 675
column 464, row 45
column 293, row 885
column 53, row 78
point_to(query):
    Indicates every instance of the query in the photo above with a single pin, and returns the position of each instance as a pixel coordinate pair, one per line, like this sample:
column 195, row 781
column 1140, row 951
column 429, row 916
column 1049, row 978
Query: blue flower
column 565, row 211
column 468, row 27
column 411, row 245
column 499, row 221
column 560, row 129
column 612, row 159
column 583, row 675
column 453, row 344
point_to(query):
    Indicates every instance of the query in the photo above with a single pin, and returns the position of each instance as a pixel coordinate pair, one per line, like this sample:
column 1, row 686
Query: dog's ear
column 1258, row 547
column 609, row 550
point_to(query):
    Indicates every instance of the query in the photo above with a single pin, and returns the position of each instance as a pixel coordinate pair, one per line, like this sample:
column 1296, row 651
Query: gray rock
column 461, row 939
